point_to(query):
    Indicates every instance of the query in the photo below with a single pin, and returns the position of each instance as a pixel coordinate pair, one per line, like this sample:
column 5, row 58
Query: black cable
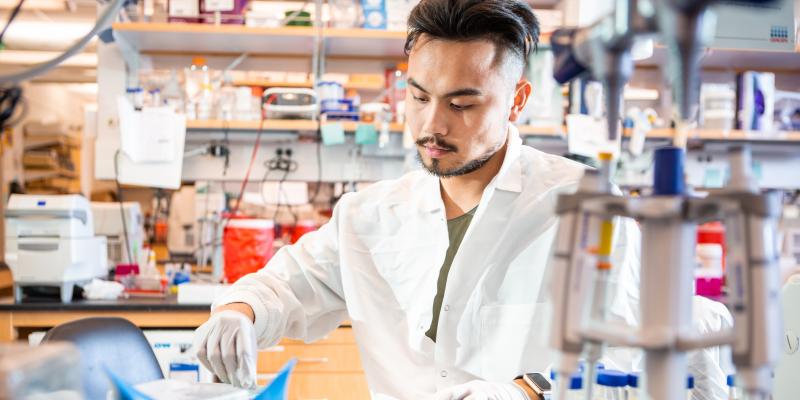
column 11, row 18
column 9, row 98
column 319, row 165
column 121, row 207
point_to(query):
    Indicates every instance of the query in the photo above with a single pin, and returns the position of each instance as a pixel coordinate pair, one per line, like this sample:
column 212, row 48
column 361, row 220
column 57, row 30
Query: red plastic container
column 248, row 246
column 302, row 228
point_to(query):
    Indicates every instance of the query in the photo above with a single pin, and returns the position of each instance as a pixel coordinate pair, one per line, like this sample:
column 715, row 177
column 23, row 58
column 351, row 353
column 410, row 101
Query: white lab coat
column 377, row 261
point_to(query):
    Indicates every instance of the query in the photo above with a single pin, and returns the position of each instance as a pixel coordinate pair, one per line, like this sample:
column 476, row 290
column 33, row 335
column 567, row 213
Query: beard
column 436, row 169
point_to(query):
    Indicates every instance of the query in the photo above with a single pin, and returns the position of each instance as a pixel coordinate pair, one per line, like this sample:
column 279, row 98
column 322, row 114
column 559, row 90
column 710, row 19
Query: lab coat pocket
column 512, row 340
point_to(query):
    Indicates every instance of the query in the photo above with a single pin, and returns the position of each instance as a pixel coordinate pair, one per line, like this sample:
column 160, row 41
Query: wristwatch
column 539, row 384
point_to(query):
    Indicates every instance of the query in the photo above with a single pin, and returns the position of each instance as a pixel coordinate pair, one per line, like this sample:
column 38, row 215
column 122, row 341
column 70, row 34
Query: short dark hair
column 510, row 24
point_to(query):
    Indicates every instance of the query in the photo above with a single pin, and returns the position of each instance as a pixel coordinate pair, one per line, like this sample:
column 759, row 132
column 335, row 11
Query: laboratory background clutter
column 186, row 141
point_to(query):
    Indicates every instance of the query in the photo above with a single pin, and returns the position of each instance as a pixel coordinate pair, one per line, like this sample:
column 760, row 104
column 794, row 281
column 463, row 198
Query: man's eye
column 458, row 107
column 420, row 99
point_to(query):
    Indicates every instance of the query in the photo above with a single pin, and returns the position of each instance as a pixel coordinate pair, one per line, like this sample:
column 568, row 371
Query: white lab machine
column 668, row 219
column 192, row 225
column 108, row 222
column 50, row 241
column 787, row 386
column 735, row 29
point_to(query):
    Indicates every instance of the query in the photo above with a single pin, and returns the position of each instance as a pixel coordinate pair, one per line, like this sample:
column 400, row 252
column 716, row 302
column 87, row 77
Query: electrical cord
column 121, row 207
column 9, row 99
column 11, row 19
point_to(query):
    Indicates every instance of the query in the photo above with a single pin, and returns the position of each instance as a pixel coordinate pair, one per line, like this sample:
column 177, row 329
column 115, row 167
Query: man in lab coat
column 442, row 271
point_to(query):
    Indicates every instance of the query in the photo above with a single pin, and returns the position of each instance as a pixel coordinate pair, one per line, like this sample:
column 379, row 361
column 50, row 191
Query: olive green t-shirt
column 456, row 228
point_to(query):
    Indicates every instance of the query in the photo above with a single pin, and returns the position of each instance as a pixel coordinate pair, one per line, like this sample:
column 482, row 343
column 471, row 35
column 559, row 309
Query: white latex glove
column 226, row 345
column 482, row 390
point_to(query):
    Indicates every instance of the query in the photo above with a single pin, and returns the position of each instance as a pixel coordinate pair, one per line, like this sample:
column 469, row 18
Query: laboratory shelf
column 736, row 60
column 307, row 84
column 204, row 39
column 278, row 125
column 717, row 135
column 364, row 42
column 170, row 303
column 156, row 38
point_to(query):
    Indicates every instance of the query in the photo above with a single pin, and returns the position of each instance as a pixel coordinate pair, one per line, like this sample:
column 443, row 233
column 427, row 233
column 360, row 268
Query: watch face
column 539, row 381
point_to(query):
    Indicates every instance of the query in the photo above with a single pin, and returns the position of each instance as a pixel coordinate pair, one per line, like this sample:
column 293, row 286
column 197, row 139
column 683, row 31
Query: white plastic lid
column 251, row 224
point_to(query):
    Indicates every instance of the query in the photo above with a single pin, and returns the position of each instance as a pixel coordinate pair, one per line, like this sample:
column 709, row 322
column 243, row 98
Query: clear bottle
column 198, row 90
column 172, row 94
column 733, row 391
column 226, row 100
column 633, row 386
column 611, row 385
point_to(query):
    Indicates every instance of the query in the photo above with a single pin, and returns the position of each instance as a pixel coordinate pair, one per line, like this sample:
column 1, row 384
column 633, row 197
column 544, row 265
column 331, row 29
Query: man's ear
column 521, row 95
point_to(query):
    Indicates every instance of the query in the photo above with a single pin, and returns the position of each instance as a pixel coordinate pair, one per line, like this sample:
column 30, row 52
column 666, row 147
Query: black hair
column 510, row 24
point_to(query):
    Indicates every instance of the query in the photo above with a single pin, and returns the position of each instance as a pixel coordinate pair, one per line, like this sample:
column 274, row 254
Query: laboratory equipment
column 774, row 30
column 48, row 371
column 193, row 222
column 668, row 221
column 290, row 103
column 787, row 386
column 50, row 242
column 108, row 222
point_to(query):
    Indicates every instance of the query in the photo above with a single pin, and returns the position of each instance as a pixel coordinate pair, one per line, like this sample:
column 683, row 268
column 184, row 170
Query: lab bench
column 329, row 368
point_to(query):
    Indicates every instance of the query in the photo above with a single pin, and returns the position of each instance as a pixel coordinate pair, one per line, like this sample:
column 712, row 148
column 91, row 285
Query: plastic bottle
column 633, row 386
column 226, row 100
column 733, row 392
column 135, row 97
column 172, row 94
column 198, row 90
column 611, row 385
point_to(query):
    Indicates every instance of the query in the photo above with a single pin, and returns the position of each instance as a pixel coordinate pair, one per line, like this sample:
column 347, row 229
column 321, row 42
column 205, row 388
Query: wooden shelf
column 266, row 83
column 729, row 136
column 269, row 125
column 344, row 43
column 203, row 39
column 715, row 135
column 277, row 125
column 541, row 131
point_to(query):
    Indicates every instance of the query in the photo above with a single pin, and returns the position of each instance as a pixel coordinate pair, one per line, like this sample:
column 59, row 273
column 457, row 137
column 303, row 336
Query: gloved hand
column 226, row 345
column 482, row 390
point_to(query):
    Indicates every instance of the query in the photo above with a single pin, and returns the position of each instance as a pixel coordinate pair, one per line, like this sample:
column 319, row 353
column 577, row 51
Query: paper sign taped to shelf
column 332, row 134
column 149, row 135
column 366, row 134
column 588, row 136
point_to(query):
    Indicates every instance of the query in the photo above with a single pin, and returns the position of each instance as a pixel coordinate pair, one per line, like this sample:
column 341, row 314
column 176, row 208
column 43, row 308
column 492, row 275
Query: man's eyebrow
column 455, row 93
column 414, row 83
